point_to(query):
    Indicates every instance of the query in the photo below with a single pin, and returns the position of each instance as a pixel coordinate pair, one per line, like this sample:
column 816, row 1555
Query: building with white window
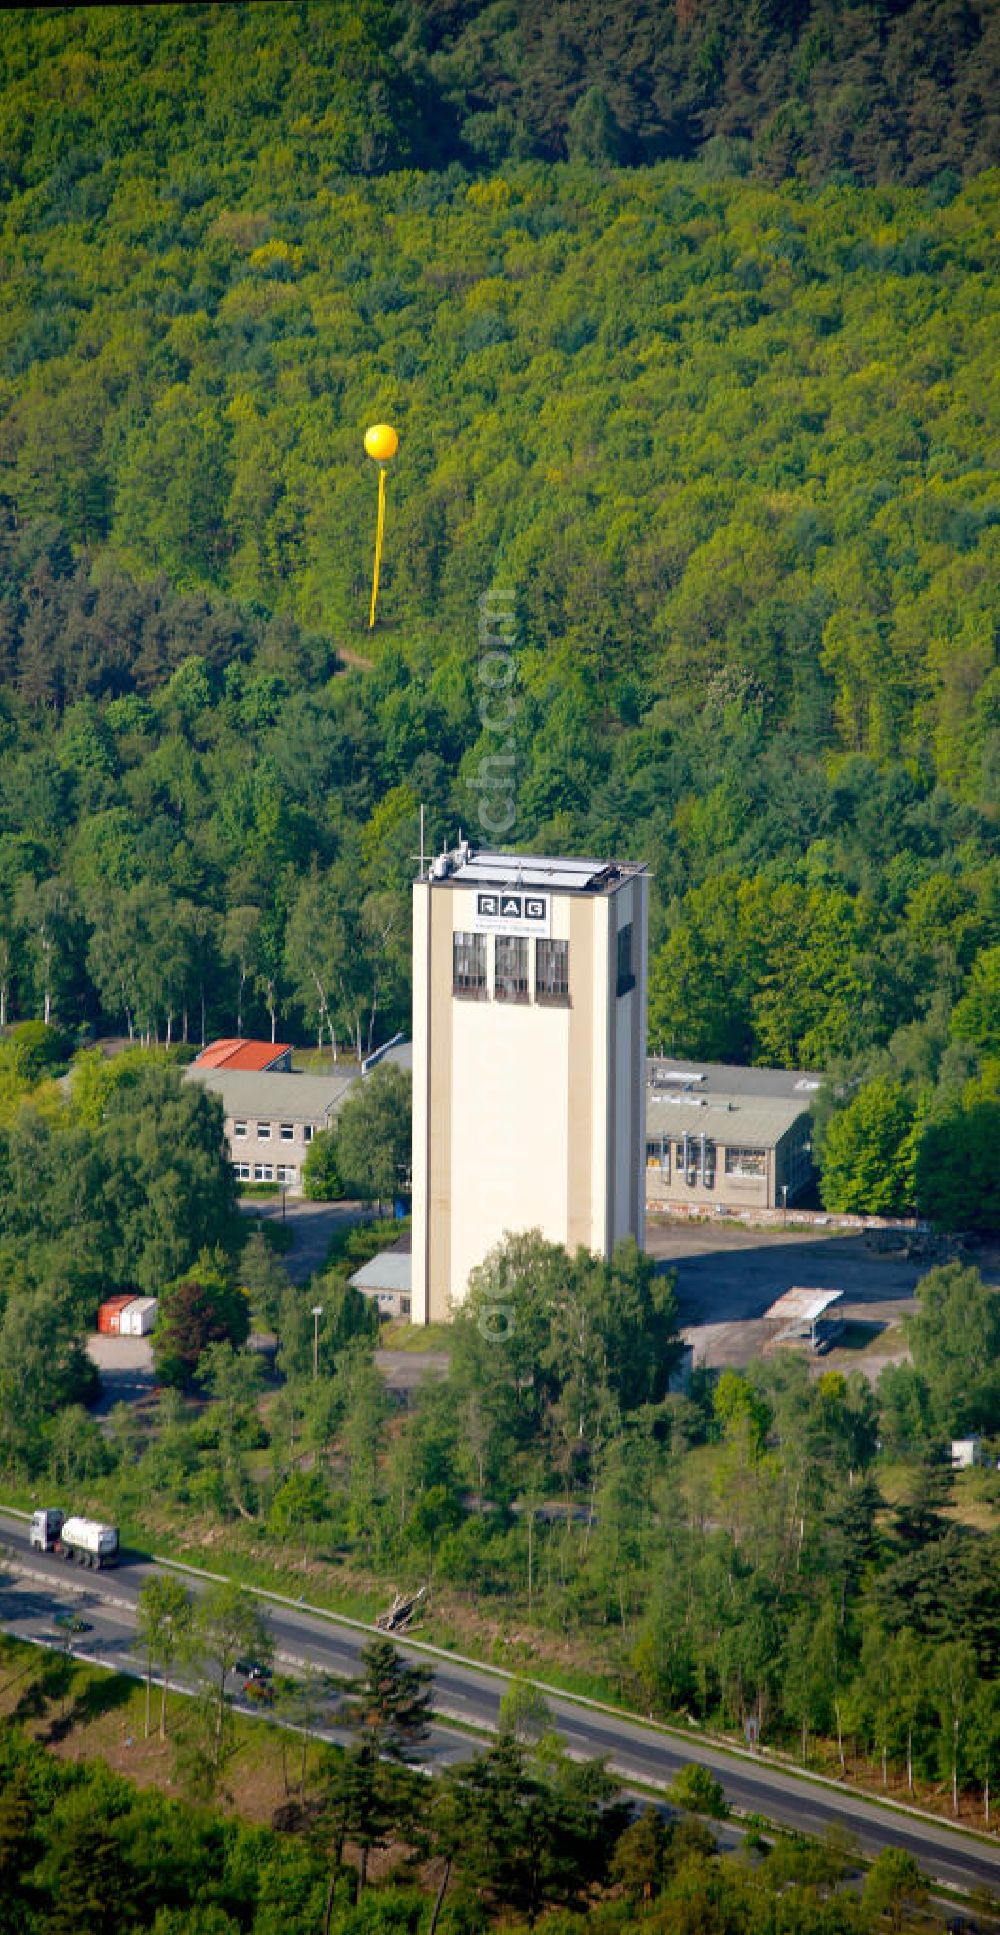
column 529, row 1005
column 725, row 1137
column 271, row 1118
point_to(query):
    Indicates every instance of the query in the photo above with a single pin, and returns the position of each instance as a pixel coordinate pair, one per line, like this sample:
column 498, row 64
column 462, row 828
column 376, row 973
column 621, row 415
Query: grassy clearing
column 975, row 1499
column 400, row 1334
column 82, row 1712
column 970, row 1498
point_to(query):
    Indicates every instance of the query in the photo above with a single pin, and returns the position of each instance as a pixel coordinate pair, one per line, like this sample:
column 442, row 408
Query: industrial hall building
column 727, row 1138
column 529, row 1006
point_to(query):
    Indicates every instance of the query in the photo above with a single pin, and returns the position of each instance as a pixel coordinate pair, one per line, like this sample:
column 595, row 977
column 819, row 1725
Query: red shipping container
column 109, row 1313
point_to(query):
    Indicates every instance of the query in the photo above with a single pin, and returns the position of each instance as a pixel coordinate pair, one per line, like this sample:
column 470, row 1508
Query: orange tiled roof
column 233, row 1052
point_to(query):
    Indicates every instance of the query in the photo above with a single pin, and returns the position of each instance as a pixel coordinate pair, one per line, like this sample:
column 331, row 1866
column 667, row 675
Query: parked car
column 71, row 1622
column 252, row 1670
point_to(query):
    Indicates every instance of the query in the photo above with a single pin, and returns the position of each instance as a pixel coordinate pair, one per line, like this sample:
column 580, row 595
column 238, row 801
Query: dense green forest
column 523, row 1838
column 723, row 442
column 767, row 1545
column 885, row 90
column 728, row 446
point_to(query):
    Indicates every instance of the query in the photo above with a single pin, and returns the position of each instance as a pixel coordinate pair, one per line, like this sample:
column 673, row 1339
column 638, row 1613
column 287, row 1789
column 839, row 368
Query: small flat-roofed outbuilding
column 387, row 1279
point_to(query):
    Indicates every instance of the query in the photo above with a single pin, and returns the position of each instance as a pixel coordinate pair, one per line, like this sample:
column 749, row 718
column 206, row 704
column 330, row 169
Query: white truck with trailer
column 84, row 1541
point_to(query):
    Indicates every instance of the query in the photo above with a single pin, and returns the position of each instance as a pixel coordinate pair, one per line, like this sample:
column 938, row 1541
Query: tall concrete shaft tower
column 529, row 1055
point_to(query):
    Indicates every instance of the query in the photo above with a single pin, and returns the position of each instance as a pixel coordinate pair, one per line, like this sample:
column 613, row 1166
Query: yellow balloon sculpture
column 381, row 443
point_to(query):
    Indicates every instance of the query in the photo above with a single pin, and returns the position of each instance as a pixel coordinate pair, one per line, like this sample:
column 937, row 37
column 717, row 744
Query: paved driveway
column 313, row 1226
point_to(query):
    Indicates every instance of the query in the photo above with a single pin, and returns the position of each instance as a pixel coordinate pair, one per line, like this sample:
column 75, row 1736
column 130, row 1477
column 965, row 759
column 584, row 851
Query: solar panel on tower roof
column 537, row 869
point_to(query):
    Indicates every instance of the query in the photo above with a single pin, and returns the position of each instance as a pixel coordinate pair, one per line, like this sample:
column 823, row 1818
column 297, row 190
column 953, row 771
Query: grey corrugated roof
column 285, row 1098
column 799, row 1306
column 390, row 1271
column 724, row 1079
column 747, row 1122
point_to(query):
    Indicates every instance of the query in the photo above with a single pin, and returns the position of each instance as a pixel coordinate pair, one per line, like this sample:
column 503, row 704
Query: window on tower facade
column 551, row 970
column 626, row 974
column 469, row 964
column 510, row 981
column 658, row 1155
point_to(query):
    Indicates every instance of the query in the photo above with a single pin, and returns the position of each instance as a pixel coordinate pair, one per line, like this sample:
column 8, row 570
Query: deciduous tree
column 868, row 1153
column 195, row 1313
column 164, row 1625
column 373, row 1134
column 954, row 1334
column 228, row 1626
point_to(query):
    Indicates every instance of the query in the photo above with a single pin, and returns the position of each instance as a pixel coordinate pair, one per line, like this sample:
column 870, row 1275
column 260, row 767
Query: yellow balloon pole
column 381, row 443
column 379, row 528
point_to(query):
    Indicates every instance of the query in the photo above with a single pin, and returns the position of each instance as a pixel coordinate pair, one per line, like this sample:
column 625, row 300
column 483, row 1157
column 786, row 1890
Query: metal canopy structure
column 798, row 1312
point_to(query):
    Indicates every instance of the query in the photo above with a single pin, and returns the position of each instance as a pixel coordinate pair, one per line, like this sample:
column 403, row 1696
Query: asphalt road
column 471, row 1694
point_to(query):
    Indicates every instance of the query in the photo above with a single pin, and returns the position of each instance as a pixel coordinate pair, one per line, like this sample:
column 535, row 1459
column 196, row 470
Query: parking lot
column 126, row 1367
column 728, row 1277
